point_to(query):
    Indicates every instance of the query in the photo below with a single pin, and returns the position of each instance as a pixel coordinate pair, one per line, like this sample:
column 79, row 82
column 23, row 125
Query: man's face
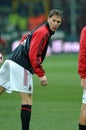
column 54, row 22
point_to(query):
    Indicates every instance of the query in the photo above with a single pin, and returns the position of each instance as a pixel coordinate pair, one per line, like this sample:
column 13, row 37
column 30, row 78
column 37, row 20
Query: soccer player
column 26, row 60
column 82, row 73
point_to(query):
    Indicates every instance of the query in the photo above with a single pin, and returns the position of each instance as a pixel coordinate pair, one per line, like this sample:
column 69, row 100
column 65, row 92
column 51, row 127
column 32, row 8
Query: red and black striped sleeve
column 37, row 45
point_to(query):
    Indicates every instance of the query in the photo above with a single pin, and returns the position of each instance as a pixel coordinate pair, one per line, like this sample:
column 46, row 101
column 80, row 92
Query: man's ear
column 48, row 19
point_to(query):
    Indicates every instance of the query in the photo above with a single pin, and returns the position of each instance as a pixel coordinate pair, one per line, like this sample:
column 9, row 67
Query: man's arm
column 38, row 43
column 82, row 58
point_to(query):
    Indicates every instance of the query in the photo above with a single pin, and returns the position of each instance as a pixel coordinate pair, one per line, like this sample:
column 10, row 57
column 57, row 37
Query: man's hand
column 83, row 83
column 43, row 80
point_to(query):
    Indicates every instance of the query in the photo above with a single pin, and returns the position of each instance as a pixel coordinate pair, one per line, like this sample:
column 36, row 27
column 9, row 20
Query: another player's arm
column 82, row 58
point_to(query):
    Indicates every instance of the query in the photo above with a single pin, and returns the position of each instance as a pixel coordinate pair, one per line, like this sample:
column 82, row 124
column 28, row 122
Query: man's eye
column 58, row 21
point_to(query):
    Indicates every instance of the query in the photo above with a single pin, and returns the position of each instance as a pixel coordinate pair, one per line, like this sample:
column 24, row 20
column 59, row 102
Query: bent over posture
column 82, row 73
column 26, row 60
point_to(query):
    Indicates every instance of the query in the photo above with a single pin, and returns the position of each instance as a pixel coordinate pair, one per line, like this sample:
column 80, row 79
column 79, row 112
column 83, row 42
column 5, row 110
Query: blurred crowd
column 20, row 16
column 16, row 19
column 23, row 15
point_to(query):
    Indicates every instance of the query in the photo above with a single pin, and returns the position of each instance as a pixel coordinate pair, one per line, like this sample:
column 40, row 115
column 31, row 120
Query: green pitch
column 55, row 107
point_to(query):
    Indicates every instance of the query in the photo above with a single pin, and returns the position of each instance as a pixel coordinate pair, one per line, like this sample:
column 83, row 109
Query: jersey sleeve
column 37, row 45
column 23, row 38
column 82, row 54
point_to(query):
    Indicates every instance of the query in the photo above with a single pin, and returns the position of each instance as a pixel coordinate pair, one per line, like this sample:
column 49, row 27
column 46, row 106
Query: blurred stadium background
column 20, row 16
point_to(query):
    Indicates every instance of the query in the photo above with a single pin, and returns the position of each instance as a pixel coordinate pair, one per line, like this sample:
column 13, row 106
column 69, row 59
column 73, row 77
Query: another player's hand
column 83, row 83
column 1, row 58
column 43, row 80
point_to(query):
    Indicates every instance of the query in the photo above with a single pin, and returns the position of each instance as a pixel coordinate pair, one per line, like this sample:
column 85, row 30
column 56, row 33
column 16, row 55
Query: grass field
column 55, row 107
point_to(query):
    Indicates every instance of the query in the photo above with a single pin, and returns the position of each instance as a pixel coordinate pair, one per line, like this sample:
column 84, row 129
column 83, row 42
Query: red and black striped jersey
column 32, row 49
